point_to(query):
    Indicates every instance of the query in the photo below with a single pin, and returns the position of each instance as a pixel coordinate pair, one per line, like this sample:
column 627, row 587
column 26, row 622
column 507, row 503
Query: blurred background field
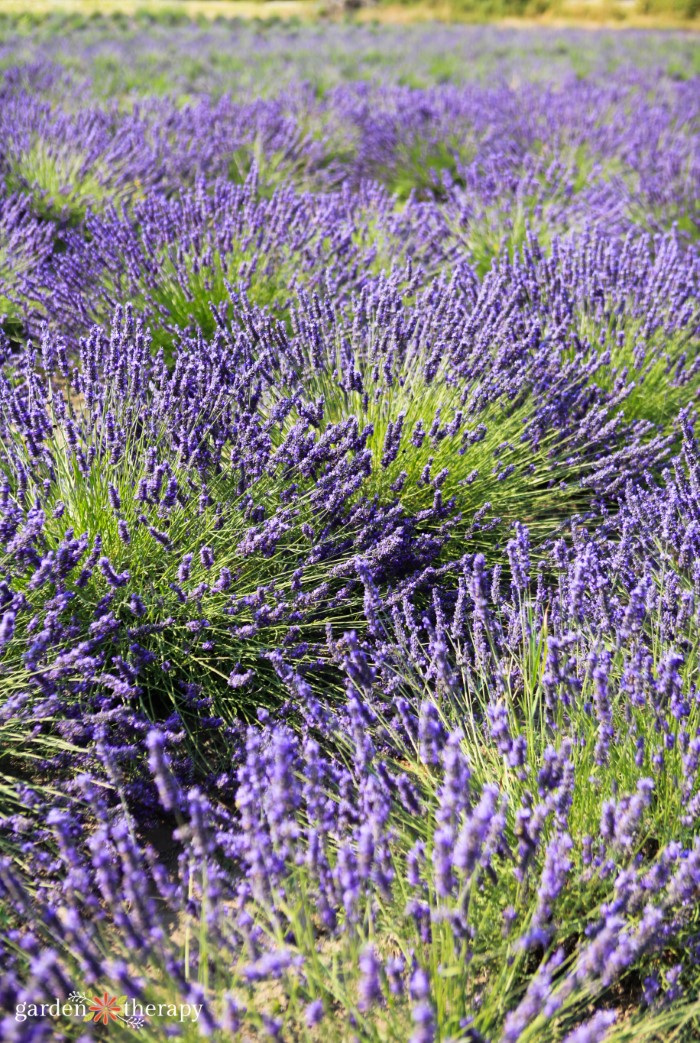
column 26, row 15
column 125, row 51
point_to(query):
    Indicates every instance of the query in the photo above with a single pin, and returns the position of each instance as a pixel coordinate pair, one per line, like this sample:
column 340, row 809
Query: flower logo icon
column 105, row 1008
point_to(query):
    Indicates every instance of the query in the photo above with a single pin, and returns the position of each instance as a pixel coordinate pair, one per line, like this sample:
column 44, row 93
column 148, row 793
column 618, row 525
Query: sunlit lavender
column 349, row 534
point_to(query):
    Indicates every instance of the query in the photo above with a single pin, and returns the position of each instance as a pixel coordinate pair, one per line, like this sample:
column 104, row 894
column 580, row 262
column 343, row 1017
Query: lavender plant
column 25, row 247
column 176, row 260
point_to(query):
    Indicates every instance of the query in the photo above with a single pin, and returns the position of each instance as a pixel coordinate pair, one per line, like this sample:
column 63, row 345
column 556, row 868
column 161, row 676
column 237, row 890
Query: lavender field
column 349, row 533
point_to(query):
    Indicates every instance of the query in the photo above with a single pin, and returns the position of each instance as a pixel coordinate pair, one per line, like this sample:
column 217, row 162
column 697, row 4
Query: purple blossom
column 594, row 1030
column 370, row 987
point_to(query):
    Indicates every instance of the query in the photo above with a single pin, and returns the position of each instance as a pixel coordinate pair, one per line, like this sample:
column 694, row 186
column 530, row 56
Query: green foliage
column 59, row 180
column 664, row 368
column 181, row 297
column 153, row 571
column 420, row 171
column 472, row 470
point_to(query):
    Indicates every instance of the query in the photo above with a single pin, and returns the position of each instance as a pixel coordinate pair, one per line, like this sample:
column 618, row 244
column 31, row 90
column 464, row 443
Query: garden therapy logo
column 105, row 1009
column 108, row 1008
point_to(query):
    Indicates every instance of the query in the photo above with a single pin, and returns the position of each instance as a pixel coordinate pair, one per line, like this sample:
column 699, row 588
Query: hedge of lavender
column 349, row 535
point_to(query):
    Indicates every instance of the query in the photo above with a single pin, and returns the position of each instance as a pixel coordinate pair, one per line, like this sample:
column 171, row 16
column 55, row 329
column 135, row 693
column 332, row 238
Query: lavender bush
column 349, row 536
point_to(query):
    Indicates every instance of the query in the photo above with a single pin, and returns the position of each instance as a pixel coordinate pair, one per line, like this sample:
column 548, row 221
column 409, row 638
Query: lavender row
column 467, row 170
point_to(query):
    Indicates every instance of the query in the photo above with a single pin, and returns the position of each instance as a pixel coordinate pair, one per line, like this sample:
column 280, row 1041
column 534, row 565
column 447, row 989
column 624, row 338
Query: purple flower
column 594, row 1030
column 114, row 498
column 158, row 762
column 183, row 572
column 240, row 678
column 370, row 988
column 314, row 1012
column 423, row 1018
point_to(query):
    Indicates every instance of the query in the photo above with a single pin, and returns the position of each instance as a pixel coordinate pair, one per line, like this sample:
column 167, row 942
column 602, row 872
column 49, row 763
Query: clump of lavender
column 184, row 261
column 199, row 525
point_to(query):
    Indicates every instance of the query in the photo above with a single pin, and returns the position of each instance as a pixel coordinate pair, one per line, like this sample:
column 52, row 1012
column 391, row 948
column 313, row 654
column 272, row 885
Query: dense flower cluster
column 350, row 557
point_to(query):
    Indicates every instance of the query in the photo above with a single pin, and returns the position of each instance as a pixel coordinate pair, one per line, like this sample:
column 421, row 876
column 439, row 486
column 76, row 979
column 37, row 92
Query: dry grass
column 588, row 14
column 191, row 8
